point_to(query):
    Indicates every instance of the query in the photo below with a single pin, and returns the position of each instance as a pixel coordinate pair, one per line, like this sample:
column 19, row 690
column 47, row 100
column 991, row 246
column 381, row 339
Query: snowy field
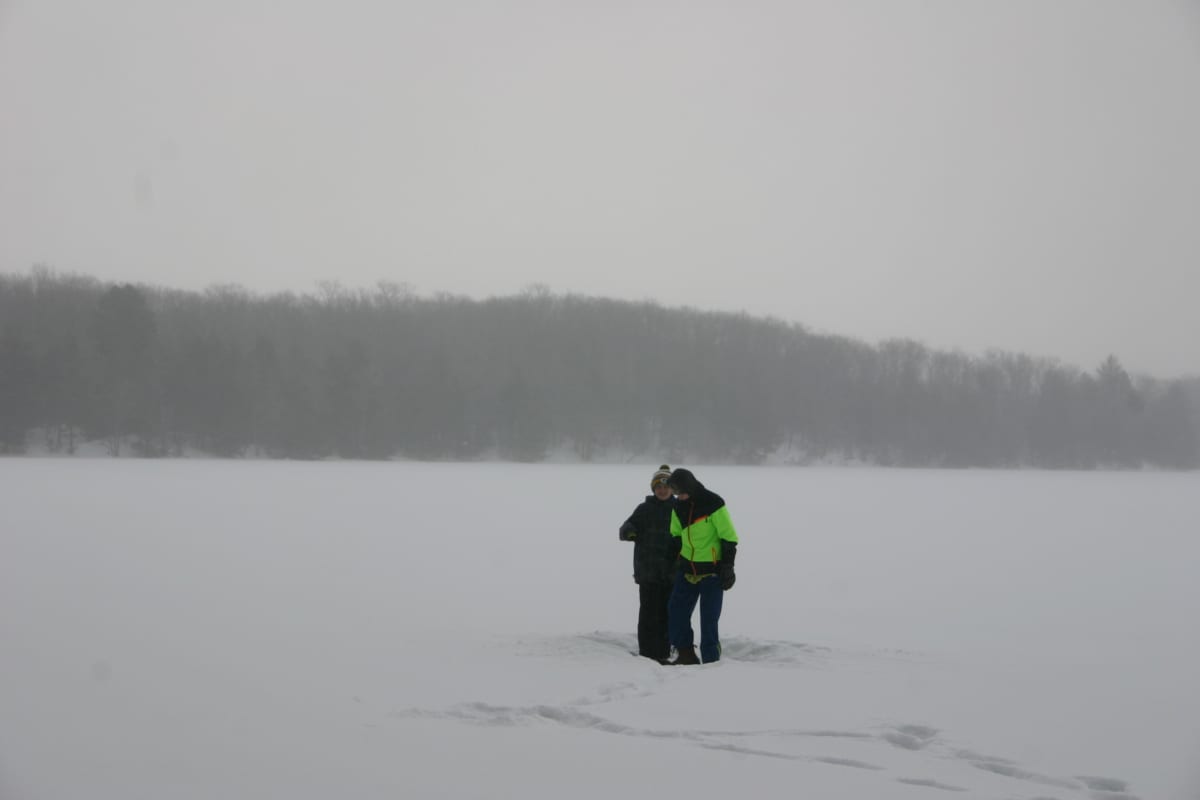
column 203, row 630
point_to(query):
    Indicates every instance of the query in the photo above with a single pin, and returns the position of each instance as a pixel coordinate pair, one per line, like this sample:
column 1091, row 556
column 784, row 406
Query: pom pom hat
column 660, row 477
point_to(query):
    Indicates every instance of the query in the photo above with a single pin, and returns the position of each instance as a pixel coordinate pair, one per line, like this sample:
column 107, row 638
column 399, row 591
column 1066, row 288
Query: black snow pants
column 652, row 620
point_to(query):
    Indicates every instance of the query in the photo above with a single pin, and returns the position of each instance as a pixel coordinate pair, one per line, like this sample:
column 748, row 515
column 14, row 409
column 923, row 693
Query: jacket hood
column 684, row 482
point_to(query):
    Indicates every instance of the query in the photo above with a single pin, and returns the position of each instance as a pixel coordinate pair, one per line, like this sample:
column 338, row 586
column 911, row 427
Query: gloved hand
column 627, row 532
column 725, row 566
column 725, row 572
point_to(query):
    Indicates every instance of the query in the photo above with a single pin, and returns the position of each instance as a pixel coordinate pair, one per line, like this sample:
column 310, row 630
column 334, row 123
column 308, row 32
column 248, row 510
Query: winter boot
column 687, row 656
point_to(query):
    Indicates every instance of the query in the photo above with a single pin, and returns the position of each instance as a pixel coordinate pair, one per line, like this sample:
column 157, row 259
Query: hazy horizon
column 1015, row 176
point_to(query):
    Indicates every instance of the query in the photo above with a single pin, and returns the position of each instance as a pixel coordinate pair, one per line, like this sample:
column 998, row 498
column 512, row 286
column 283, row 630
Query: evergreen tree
column 18, row 396
column 123, row 331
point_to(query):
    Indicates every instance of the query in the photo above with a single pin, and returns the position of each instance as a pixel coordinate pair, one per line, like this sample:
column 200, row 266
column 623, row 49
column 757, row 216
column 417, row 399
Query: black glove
column 627, row 532
column 725, row 571
column 725, row 567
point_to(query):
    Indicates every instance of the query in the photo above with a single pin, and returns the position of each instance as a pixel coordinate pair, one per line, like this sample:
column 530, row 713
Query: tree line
column 384, row 373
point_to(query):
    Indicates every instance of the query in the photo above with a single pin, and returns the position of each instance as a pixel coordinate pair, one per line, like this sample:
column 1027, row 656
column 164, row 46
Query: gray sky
column 1021, row 174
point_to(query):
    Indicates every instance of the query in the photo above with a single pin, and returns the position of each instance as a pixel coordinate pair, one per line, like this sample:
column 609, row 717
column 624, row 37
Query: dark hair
column 684, row 482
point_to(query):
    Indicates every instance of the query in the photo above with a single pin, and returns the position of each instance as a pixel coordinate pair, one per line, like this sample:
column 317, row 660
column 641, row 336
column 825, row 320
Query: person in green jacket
column 708, row 547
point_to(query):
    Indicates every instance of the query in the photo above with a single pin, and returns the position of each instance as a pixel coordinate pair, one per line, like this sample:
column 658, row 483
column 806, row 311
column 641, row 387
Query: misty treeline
column 385, row 373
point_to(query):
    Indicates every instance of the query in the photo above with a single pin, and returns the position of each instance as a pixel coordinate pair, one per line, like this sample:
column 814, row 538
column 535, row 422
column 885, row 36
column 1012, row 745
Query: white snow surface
column 223, row 629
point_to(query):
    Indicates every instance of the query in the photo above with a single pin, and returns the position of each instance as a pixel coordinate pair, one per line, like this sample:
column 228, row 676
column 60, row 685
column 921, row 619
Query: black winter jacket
column 655, row 550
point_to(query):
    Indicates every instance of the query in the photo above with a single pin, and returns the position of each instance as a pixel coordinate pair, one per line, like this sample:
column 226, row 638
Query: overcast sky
column 1023, row 175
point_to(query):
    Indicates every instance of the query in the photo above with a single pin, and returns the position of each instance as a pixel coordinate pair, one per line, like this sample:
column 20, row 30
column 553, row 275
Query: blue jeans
column 683, row 600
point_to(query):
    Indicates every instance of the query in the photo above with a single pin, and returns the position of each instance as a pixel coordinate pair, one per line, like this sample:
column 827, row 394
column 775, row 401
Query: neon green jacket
column 701, row 540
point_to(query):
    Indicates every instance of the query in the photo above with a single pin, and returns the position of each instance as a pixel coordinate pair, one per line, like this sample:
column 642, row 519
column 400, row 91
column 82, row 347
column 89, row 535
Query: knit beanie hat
column 660, row 477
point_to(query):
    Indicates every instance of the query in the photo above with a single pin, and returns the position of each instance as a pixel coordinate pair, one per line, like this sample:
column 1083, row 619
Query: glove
column 725, row 567
column 725, row 571
column 627, row 533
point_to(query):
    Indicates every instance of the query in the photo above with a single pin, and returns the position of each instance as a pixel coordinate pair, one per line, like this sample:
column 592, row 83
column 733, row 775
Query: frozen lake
column 203, row 629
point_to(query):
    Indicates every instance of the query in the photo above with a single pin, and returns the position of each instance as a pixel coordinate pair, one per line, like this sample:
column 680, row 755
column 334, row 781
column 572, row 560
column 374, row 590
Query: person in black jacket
column 654, row 554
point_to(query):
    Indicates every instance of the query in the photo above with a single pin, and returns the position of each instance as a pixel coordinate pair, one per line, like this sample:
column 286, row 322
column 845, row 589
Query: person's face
column 662, row 491
column 681, row 495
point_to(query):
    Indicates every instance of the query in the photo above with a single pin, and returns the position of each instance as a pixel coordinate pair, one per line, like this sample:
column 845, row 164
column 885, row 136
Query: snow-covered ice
column 212, row 629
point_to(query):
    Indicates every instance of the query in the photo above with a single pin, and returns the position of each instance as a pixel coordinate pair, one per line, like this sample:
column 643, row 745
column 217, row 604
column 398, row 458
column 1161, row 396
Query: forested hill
column 384, row 373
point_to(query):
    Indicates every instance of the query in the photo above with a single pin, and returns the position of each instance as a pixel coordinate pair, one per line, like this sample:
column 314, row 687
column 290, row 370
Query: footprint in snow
column 1103, row 784
column 930, row 784
column 910, row 737
column 1009, row 770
